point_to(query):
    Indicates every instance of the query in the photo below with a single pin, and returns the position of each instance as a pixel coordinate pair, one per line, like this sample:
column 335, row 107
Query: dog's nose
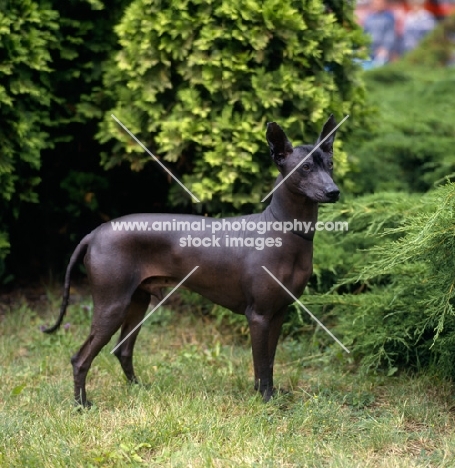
column 333, row 194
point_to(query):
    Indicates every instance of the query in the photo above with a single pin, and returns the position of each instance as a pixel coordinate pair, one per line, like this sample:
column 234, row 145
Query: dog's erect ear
column 280, row 146
column 327, row 146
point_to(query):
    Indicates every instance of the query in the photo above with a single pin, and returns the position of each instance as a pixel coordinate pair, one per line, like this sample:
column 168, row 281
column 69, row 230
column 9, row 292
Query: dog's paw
column 81, row 406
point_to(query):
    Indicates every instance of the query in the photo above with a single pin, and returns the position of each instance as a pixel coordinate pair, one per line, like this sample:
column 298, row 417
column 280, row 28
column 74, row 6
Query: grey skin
column 128, row 268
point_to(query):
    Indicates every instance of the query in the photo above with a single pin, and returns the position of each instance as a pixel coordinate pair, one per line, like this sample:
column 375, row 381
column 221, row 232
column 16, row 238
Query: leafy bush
column 27, row 34
column 51, row 56
column 410, row 146
column 395, row 307
column 337, row 254
column 198, row 80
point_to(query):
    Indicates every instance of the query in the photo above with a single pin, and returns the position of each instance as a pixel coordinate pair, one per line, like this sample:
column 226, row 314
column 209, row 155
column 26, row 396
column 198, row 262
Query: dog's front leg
column 263, row 373
column 275, row 330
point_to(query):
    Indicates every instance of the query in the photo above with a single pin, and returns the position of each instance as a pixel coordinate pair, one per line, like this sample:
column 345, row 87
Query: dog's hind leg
column 107, row 319
column 135, row 314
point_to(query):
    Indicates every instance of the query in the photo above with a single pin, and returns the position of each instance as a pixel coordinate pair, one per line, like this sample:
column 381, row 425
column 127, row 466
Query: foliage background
column 393, row 302
column 409, row 147
column 25, row 101
column 205, row 77
column 50, row 85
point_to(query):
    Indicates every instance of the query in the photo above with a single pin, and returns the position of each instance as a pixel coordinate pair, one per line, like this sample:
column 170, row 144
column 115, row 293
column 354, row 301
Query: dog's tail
column 80, row 249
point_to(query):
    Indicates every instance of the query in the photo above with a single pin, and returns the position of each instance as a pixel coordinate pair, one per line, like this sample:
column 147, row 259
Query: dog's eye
column 306, row 167
column 330, row 165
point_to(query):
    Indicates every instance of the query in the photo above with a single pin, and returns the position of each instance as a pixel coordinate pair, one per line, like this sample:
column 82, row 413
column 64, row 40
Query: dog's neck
column 288, row 206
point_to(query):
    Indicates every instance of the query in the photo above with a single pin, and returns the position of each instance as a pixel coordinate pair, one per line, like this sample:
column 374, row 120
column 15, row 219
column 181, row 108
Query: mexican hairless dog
column 128, row 268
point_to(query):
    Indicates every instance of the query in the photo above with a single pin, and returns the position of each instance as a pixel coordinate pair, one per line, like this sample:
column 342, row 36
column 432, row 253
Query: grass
column 200, row 409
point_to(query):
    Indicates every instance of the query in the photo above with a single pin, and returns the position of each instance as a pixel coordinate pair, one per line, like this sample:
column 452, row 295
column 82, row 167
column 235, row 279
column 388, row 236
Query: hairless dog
column 126, row 268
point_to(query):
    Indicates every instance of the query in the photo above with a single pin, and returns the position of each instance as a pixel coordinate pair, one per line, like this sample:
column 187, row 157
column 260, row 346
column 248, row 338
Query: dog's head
column 313, row 176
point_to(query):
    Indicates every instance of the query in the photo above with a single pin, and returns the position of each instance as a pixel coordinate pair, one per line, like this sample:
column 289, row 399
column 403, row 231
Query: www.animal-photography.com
column 227, row 233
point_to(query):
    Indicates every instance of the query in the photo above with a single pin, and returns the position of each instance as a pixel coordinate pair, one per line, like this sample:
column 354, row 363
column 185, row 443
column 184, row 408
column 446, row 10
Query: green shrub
column 410, row 146
column 27, row 34
column 197, row 81
column 337, row 254
column 51, row 57
column 395, row 306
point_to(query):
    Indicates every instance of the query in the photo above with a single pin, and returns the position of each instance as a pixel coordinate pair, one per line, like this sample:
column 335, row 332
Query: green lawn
column 200, row 409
